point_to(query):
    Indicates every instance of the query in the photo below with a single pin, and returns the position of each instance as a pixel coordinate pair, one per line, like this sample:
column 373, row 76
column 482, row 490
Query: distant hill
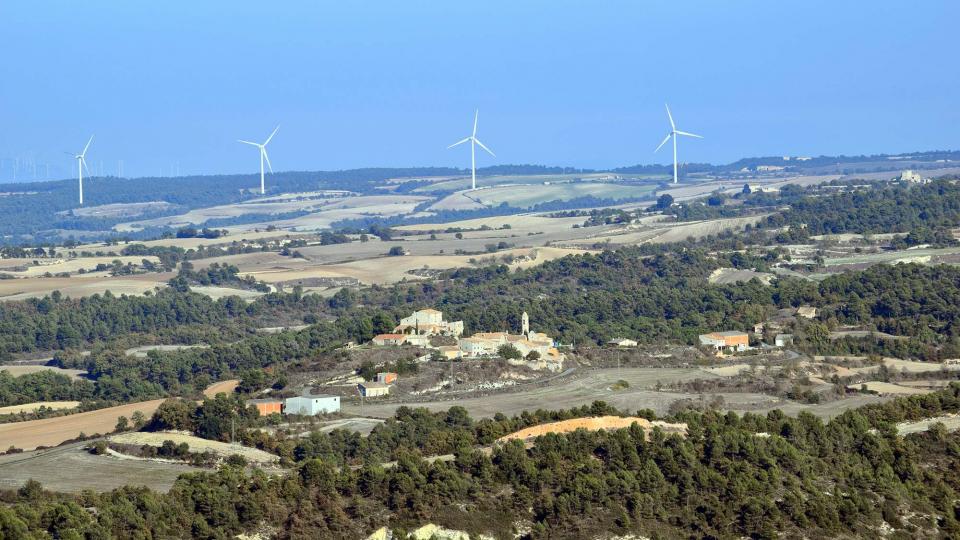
column 37, row 212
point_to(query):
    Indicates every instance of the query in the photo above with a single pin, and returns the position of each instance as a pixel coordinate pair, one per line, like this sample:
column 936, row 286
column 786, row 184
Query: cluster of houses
column 310, row 404
column 419, row 327
column 736, row 341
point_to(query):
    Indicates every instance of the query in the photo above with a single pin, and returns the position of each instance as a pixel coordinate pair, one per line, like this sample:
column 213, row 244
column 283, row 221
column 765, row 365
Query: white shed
column 311, row 404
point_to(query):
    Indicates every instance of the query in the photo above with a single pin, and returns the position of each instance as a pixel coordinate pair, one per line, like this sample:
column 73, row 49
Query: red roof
column 390, row 336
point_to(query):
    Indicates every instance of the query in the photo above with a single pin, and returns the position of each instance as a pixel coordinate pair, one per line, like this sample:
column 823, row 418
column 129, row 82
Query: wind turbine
column 674, row 132
column 81, row 165
column 263, row 155
column 474, row 141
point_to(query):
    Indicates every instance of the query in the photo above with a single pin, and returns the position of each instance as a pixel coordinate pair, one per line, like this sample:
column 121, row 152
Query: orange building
column 387, row 377
column 267, row 407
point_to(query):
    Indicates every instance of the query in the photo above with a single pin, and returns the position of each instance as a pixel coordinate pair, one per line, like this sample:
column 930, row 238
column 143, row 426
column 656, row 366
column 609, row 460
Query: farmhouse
column 428, row 322
column 373, row 389
column 622, row 342
column 807, row 312
column 312, row 404
column 389, row 339
column 739, row 341
column 266, row 407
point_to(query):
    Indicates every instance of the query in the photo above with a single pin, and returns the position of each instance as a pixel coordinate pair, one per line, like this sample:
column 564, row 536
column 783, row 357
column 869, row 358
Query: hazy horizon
column 391, row 86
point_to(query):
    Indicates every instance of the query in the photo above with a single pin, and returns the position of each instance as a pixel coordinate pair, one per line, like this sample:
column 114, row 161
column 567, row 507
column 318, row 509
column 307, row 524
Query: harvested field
column 53, row 431
column 909, row 366
column 729, row 371
column 669, row 232
column 72, row 469
column 463, row 182
column 32, row 407
column 221, row 449
column 386, row 270
column 73, row 266
column 80, row 286
column 593, row 424
column 348, row 208
column 702, row 189
column 334, row 206
column 582, row 388
column 226, row 387
column 119, row 210
column 517, row 222
column 527, row 195
column 572, row 390
column 725, row 276
column 222, row 292
column 17, row 370
column 193, row 243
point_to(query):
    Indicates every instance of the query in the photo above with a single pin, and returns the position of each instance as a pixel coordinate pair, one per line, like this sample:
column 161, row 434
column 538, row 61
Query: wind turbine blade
column 665, row 139
column 266, row 157
column 266, row 142
column 670, row 116
column 476, row 116
column 84, row 165
column 476, row 140
column 87, row 146
column 459, row 142
column 248, row 142
column 689, row 134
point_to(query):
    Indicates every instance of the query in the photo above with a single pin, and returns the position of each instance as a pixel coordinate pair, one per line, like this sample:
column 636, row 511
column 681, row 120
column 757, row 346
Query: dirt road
column 226, row 387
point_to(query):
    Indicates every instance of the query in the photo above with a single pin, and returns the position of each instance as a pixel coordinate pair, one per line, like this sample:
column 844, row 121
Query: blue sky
column 358, row 84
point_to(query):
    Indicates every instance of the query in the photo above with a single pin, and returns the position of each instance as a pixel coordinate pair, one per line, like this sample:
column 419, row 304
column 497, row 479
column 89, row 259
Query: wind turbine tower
column 81, row 165
column 474, row 141
column 674, row 132
column 263, row 156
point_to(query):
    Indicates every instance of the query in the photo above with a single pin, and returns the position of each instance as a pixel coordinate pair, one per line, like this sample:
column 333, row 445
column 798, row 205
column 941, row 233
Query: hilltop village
column 535, row 349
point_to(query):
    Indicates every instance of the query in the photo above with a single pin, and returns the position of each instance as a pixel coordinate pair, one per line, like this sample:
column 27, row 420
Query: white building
column 373, row 389
column 783, row 340
column 311, row 404
column 428, row 322
column 622, row 342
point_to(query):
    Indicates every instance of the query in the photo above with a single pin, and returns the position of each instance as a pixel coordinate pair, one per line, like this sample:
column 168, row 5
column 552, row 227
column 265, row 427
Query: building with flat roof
column 310, row 404
column 373, row 389
column 386, row 377
column 266, row 407
column 783, row 340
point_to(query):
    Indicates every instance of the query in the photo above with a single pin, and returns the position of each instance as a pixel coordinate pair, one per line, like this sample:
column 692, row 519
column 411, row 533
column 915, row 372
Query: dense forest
column 730, row 476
